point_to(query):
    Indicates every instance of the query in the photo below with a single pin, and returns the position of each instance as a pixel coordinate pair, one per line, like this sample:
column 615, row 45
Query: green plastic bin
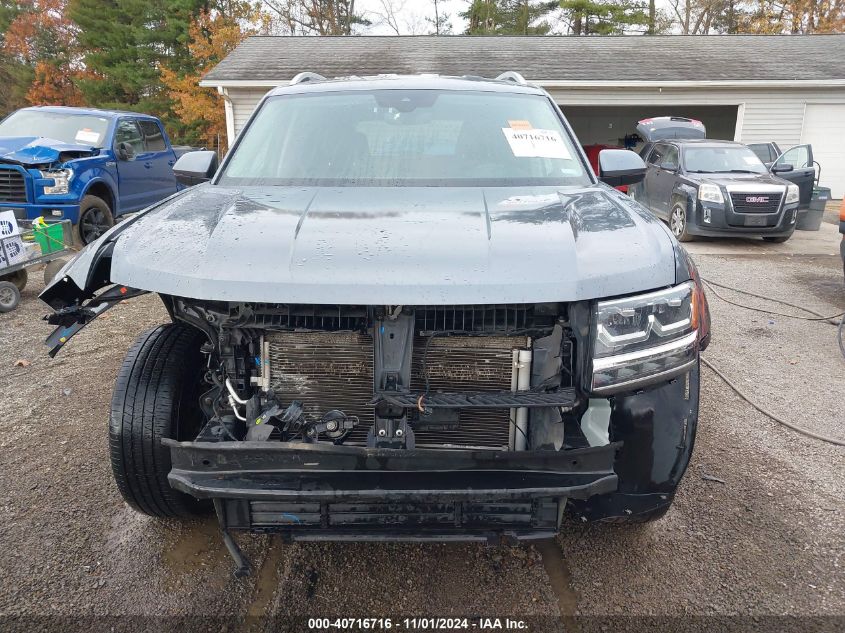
column 50, row 237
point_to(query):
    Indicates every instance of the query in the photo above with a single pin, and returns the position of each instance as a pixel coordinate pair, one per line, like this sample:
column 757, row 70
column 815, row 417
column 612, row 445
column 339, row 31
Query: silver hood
column 389, row 246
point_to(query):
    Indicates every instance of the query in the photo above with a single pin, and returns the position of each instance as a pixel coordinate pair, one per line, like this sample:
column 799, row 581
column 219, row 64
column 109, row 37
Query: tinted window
column 153, row 138
column 763, row 151
column 731, row 158
column 127, row 132
column 670, row 157
column 79, row 129
column 404, row 138
column 798, row 157
column 656, row 156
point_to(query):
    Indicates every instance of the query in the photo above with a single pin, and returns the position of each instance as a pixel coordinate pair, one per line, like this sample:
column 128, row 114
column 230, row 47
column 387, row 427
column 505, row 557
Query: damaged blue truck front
column 402, row 308
column 83, row 165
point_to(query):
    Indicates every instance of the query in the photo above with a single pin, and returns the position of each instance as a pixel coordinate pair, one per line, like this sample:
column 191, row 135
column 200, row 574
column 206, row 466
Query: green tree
column 126, row 42
column 508, row 17
column 606, row 17
column 14, row 76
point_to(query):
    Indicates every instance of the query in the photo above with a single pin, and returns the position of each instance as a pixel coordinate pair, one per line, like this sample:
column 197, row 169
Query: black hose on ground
column 839, row 333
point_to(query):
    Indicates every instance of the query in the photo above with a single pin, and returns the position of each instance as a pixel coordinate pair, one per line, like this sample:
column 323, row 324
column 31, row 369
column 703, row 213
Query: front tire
column 678, row 223
column 156, row 396
column 95, row 218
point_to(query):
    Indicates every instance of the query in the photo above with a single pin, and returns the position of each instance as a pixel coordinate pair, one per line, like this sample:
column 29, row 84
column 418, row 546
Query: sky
column 410, row 15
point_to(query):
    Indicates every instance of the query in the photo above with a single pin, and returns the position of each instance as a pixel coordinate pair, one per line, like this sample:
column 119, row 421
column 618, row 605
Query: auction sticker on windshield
column 536, row 143
column 87, row 136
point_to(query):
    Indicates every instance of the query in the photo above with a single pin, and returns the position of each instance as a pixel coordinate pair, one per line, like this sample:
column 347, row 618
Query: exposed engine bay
column 445, row 377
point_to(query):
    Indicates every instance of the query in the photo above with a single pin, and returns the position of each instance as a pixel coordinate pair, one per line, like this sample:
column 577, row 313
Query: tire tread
column 144, row 406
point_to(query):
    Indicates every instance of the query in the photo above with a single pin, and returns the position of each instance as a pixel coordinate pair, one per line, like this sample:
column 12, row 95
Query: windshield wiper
column 743, row 171
column 701, row 171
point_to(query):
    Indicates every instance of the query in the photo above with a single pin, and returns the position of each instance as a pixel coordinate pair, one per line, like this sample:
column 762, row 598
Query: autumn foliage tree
column 213, row 34
column 42, row 41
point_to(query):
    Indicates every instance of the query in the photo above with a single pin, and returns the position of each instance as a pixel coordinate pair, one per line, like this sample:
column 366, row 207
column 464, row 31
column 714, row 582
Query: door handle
column 148, row 165
column 171, row 162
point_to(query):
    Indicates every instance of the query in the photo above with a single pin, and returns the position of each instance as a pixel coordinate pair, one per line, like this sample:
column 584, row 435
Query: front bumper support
column 323, row 491
column 323, row 472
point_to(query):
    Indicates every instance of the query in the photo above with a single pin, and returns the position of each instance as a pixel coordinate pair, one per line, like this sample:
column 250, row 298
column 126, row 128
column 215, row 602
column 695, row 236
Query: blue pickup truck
column 83, row 165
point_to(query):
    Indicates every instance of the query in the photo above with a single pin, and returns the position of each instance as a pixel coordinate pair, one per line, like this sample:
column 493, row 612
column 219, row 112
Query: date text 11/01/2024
column 418, row 624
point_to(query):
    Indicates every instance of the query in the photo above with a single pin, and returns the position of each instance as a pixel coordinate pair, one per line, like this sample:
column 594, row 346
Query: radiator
column 334, row 370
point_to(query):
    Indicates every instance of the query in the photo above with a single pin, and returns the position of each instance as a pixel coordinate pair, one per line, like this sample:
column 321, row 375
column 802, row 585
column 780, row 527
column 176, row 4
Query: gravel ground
column 767, row 541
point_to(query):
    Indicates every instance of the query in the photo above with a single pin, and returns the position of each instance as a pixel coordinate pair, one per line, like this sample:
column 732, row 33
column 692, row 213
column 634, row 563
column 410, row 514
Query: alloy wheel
column 678, row 221
column 93, row 224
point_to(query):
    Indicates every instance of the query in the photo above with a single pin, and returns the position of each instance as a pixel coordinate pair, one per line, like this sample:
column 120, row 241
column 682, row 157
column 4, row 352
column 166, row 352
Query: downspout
column 230, row 116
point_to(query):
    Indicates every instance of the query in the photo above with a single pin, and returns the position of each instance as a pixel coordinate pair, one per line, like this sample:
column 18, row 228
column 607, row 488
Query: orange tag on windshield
column 520, row 125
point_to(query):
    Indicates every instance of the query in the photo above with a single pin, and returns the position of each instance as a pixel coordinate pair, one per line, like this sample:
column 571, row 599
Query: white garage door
column 824, row 129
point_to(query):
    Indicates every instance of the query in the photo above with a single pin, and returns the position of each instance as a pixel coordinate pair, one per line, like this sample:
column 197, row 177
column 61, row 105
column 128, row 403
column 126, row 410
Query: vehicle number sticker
column 87, row 136
column 536, row 143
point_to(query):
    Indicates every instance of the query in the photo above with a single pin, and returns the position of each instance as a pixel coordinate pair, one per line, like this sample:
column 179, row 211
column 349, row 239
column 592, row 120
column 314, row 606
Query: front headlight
column 61, row 181
column 645, row 339
column 793, row 194
column 710, row 193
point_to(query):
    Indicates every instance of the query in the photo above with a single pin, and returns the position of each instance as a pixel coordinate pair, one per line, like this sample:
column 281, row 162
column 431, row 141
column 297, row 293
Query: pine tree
column 605, row 17
column 508, row 17
column 126, row 42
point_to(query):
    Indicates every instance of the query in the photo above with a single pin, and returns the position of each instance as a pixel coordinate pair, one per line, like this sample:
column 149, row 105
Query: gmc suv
column 712, row 188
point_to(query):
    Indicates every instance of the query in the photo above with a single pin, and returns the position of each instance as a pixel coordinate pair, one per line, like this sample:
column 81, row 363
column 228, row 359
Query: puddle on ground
column 198, row 547
column 559, row 575
column 267, row 580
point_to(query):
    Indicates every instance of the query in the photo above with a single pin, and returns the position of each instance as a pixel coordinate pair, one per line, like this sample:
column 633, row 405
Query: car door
column 158, row 160
column 648, row 192
column 664, row 179
column 803, row 172
column 132, row 176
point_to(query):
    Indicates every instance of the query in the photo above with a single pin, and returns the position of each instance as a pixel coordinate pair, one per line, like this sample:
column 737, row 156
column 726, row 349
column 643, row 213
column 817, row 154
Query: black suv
column 712, row 188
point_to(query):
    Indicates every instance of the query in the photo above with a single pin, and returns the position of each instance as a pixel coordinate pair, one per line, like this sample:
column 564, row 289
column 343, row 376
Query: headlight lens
column 644, row 339
column 710, row 193
column 61, row 181
column 792, row 194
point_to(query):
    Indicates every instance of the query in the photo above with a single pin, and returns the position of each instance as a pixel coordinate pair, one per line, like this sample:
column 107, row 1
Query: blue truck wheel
column 95, row 218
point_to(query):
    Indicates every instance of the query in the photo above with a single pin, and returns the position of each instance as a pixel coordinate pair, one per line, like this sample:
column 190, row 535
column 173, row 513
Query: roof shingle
column 632, row 58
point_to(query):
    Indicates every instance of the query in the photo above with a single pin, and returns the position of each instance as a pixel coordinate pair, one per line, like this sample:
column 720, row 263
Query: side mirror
column 193, row 168
column 669, row 166
column 620, row 167
column 782, row 168
column 125, row 151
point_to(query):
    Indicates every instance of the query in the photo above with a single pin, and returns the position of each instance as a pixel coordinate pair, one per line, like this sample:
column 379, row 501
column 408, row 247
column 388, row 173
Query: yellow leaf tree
column 213, row 35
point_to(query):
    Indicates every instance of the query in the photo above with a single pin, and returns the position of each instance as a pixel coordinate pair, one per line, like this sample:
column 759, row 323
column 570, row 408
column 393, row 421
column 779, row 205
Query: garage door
column 824, row 129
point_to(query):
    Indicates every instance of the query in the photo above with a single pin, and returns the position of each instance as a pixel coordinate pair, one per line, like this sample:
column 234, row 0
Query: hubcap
column 677, row 221
column 92, row 225
column 7, row 297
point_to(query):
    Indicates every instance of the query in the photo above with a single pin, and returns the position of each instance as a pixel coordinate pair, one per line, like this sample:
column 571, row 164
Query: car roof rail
column 513, row 76
column 301, row 78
